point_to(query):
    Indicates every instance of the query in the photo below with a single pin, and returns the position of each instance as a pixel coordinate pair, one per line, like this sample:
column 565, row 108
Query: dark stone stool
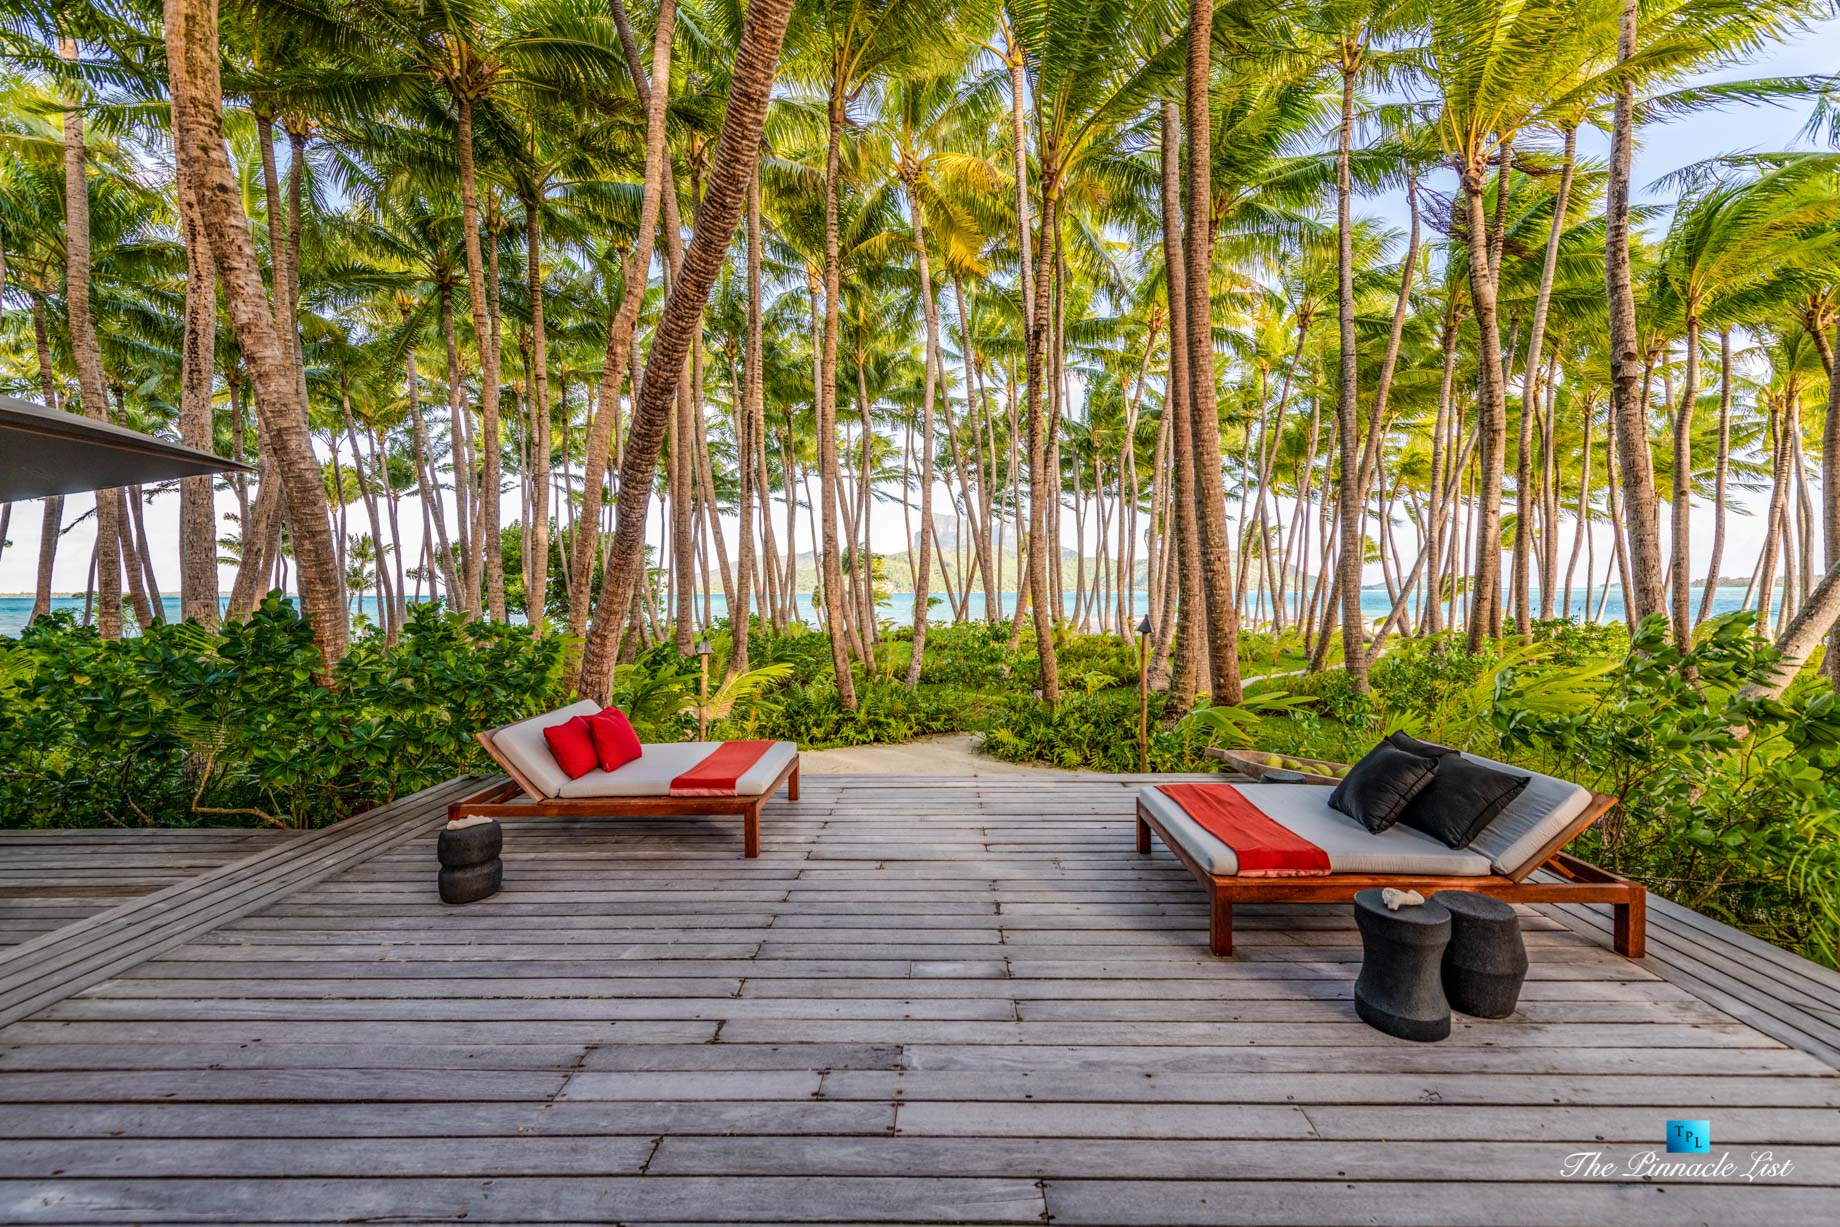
column 470, row 864
column 1486, row 960
column 1398, row 990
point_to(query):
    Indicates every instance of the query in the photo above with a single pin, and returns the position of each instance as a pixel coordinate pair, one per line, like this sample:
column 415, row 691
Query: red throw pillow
column 572, row 745
column 614, row 739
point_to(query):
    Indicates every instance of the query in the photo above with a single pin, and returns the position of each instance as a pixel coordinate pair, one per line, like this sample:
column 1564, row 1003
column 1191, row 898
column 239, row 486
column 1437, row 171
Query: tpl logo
column 1689, row 1137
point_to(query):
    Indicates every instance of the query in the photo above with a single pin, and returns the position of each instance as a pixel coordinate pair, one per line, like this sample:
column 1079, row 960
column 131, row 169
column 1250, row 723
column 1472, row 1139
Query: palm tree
column 620, row 337
column 1494, row 66
column 1091, row 69
column 1725, row 240
column 1626, row 411
column 849, row 45
column 32, row 238
column 197, row 100
column 924, row 111
column 750, row 87
column 1210, row 497
column 87, row 350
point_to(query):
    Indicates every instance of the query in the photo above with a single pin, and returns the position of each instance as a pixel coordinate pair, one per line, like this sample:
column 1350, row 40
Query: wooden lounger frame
column 1582, row 882
column 496, row 801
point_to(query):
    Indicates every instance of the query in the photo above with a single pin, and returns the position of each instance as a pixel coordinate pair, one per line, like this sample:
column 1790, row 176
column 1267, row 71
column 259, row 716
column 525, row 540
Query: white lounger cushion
column 1304, row 810
column 650, row 775
column 523, row 745
column 1531, row 821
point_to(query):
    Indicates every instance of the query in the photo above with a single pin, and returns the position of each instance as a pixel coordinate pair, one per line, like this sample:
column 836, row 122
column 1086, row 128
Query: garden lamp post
column 1144, row 631
column 703, row 653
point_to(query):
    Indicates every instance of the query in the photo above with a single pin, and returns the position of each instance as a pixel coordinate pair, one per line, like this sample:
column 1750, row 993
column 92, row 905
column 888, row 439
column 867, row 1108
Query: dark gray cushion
column 1462, row 797
column 1376, row 790
column 1412, row 745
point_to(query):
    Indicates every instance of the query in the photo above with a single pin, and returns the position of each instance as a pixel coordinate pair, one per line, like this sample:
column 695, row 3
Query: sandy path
column 948, row 754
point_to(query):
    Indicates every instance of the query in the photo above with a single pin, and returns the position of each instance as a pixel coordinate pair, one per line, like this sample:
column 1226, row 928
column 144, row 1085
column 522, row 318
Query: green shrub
column 971, row 654
column 1093, row 732
column 185, row 726
column 1729, row 805
column 812, row 714
column 1573, row 642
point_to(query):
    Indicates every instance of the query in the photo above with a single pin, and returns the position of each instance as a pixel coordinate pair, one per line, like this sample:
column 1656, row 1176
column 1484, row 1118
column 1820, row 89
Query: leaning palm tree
column 738, row 151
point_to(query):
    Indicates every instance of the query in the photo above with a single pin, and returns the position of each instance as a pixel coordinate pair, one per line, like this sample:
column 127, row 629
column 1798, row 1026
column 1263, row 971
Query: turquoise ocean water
column 899, row 608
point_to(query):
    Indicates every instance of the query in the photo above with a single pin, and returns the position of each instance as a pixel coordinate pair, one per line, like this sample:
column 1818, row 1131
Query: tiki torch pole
column 703, row 653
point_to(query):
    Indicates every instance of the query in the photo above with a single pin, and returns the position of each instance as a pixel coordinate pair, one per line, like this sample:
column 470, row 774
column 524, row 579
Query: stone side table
column 470, row 864
column 1486, row 961
column 1399, row 990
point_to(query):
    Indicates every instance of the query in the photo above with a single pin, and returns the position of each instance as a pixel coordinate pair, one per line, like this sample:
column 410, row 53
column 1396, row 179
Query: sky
column 1663, row 148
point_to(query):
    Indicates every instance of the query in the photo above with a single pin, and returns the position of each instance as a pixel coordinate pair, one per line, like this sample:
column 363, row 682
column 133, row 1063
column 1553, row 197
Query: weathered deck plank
column 928, row 1001
column 53, row 878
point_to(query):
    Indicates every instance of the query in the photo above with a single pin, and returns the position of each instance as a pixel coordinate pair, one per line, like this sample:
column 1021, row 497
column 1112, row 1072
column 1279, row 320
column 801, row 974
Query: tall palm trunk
column 1581, row 537
column 1492, row 408
column 751, row 85
column 711, row 523
column 1351, row 503
column 1830, row 495
column 88, row 351
column 367, row 494
column 132, row 567
column 262, row 529
column 1626, row 412
column 929, row 381
column 1043, row 548
column 1037, row 284
column 1680, row 508
column 466, row 598
column 982, row 512
column 835, row 599
column 1191, row 612
column 50, row 528
column 1210, row 498
column 1721, row 479
column 683, row 518
column 428, row 486
column 598, row 449
column 750, row 407
column 1441, row 457
column 197, row 515
column 536, row 541
column 492, row 556
column 192, row 58
column 1530, row 399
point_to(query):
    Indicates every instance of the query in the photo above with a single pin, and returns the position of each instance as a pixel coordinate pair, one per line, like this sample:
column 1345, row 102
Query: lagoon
column 899, row 608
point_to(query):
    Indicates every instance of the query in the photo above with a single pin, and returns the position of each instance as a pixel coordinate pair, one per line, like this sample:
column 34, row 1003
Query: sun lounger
column 539, row 788
column 1529, row 835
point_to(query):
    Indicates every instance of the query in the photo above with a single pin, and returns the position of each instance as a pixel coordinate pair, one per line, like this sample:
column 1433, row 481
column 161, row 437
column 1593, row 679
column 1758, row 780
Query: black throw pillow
column 1463, row 797
column 1377, row 789
column 1412, row 745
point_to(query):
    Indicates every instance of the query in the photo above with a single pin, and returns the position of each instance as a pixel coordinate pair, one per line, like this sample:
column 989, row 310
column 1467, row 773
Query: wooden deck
column 930, row 1000
column 49, row 879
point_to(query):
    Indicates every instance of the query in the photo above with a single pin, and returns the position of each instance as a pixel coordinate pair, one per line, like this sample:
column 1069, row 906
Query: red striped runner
column 1265, row 848
column 720, row 773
